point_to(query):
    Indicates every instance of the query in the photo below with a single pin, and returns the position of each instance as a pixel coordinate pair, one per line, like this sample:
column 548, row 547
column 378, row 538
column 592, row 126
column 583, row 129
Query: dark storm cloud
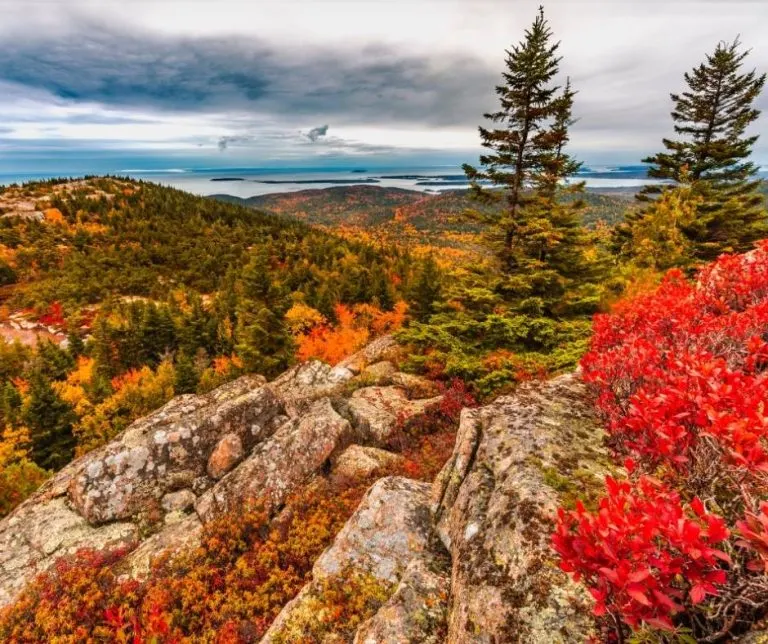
column 317, row 132
column 192, row 74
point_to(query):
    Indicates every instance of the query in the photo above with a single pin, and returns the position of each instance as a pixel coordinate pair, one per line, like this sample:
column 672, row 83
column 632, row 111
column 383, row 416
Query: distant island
column 333, row 181
column 227, row 179
column 433, row 177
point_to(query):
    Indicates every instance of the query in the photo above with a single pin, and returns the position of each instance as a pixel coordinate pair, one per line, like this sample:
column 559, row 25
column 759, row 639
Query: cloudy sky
column 305, row 82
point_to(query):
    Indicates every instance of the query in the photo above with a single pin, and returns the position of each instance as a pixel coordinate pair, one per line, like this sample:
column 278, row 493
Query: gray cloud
column 193, row 74
column 317, row 132
column 251, row 87
column 224, row 141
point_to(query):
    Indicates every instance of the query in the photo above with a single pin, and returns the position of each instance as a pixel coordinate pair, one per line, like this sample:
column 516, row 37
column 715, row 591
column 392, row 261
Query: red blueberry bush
column 680, row 379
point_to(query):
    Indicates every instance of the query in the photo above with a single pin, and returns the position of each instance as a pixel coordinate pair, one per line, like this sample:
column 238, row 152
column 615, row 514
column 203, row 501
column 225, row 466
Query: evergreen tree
column 7, row 274
column 198, row 328
column 264, row 342
column 711, row 119
column 426, row 291
column 54, row 363
column 539, row 238
column 101, row 349
column 186, row 376
column 158, row 333
column 10, row 405
column 225, row 314
column 381, row 290
column 132, row 352
column 75, row 344
column 50, row 421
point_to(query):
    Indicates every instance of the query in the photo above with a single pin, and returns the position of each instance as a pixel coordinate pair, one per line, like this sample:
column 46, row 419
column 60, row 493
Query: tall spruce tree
column 538, row 236
column 711, row 118
column 264, row 342
column 427, row 290
column 50, row 421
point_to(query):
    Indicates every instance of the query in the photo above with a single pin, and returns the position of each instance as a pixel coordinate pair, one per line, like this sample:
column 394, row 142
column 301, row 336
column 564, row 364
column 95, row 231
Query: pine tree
column 54, row 363
column 50, row 421
column 381, row 290
column 158, row 333
column 264, row 342
column 7, row 274
column 540, row 239
column 101, row 349
column 711, row 119
column 10, row 405
column 427, row 290
column 75, row 344
column 186, row 377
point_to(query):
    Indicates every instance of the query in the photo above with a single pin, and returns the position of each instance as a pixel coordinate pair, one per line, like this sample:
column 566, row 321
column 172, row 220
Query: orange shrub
column 229, row 589
column 354, row 328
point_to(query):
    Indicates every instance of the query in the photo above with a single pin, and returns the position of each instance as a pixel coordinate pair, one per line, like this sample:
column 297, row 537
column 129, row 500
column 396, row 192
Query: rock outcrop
column 389, row 537
column 465, row 559
column 155, row 485
column 469, row 556
column 493, row 504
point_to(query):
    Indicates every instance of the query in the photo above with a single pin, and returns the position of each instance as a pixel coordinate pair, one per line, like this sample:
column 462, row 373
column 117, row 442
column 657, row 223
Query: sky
column 303, row 83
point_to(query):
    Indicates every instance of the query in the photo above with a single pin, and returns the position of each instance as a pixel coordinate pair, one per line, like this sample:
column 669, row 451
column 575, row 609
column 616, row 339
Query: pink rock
column 227, row 453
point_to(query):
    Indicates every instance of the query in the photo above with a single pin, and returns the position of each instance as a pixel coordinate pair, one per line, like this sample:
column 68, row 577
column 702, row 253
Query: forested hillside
column 422, row 217
column 123, row 294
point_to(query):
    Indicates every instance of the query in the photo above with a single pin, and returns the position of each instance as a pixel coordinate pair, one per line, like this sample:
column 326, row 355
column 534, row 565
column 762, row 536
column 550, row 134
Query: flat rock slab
column 415, row 613
column 36, row 535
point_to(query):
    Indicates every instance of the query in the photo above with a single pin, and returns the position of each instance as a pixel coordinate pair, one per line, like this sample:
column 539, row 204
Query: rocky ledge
column 158, row 482
column 465, row 559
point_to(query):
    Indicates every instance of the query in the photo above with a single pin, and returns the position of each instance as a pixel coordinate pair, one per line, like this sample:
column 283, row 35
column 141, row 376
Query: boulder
column 305, row 383
column 179, row 501
column 391, row 527
column 379, row 372
column 281, row 464
column 169, row 449
column 494, row 502
column 359, row 462
column 377, row 411
column 415, row 386
column 383, row 348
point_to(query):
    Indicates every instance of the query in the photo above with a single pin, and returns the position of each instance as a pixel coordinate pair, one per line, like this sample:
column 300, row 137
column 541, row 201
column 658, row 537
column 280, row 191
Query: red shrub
column 643, row 554
column 680, row 378
column 53, row 316
column 686, row 363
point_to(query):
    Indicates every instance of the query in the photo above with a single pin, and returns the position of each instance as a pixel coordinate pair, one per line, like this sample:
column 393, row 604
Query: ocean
column 249, row 182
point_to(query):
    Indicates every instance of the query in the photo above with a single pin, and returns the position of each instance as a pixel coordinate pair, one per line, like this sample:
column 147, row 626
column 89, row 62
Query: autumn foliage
column 247, row 567
column 354, row 327
column 634, row 552
column 680, row 379
column 234, row 583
